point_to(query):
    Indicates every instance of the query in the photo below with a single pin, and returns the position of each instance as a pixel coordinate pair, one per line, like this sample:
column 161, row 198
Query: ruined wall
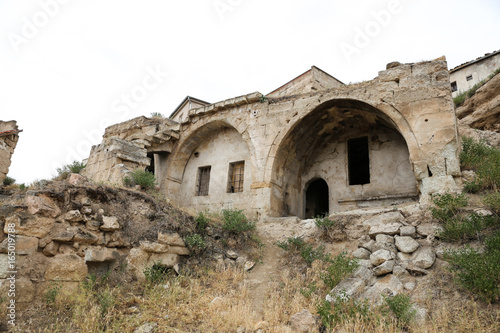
column 9, row 135
column 218, row 151
column 413, row 100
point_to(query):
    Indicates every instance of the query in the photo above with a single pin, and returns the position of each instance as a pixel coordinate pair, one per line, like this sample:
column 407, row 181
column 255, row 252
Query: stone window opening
column 236, row 177
column 317, row 199
column 454, row 86
column 203, row 181
column 358, row 156
column 469, row 78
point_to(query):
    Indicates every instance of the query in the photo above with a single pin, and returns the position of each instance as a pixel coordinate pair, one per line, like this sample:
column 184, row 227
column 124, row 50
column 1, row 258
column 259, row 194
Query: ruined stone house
column 310, row 147
column 9, row 135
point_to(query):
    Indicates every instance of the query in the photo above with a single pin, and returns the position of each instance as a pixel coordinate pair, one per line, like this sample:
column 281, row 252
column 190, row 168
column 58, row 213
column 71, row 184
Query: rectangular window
column 203, row 181
column 358, row 157
column 469, row 78
column 454, row 86
column 236, row 175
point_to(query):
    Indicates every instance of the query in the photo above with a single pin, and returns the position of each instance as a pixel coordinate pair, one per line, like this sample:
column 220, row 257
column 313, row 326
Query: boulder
column 303, row 321
column 100, row 254
column 173, row 239
column 370, row 245
column 231, row 254
column 406, row 244
column 389, row 285
column 349, row 287
column 388, row 229
column 424, row 258
column 109, row 223
column 76, row 179
column 384, row 268
column 66, row 267
column 41, row 204
column 165, row 259
column 361, row 253
column 407, row 230
column 381, row 256
column 426, row 229
column 154, row 247
column 386, row 218
column 51, row 249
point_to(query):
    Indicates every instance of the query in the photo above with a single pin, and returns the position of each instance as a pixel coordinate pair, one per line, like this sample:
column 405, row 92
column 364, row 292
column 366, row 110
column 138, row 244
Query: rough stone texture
column 384, row 268
column 109, row 223
column 30, row 226
column 370, row 245
column 390, row 217
column 286, row 141
column 406, row 244
column 76, row 179
column 389, row 285
column 100, row 254
column 51, row 249
column 426, row 229
column 66, row 267
column 9, row 136
column 349, row 287
column 383, row 238
column 41, row 204
column 4, row 265
column 388, row 229
column 361, row 253
column 408, row 230
column 424, row 258
column 303, row 321
column 154, row 247
column 24, row 245
column 172, row 239
column 381, row 256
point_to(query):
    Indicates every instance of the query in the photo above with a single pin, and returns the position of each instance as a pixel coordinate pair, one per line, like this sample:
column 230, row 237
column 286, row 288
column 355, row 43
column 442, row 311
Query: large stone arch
column 200, row 134
column 334, row 119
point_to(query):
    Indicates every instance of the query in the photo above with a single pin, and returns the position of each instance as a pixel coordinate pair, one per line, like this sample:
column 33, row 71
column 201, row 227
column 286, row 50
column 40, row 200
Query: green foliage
column 236, row 222
column 156, row 273
column 465, row 228
column 485, row 161
column 340, row 267
column 309, row 290
column 305, row 250
column 342, row 310
column 263, row 99
column 202, row 222
column 493, row 201
column 195, row 242
column 157, row 115
column 323, row 222
column 8, row 181
column 478, row 272
column 51, row 293
column 402, row 308
column 143, row 178
column 75, row 167
column 448, row 205
column 22, row 187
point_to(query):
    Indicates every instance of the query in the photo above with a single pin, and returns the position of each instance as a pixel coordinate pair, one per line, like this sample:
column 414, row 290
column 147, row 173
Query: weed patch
column 235, row 221
column 143, row 178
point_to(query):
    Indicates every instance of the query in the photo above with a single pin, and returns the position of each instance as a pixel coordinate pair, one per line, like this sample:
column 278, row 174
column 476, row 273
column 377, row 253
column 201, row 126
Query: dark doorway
column 151, row 167
column 358, row 156
column 317, row 199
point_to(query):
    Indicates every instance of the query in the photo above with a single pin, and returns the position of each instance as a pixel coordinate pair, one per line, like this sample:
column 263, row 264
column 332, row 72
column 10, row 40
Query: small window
column 203, row 181
column 358, row 157
column 236, row 175
column 469, row 78
column 454, row 86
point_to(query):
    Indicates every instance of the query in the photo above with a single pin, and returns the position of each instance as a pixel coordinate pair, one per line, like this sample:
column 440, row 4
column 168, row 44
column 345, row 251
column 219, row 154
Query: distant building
column 465, row 76
column 181, row 113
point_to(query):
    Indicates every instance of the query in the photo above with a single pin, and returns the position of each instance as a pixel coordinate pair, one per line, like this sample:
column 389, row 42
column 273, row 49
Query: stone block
column 406, row 244
column 110, row 223
column 381, row 256
column 41, row 204
column 66, row 267
column 172, row 239
column 36, row 226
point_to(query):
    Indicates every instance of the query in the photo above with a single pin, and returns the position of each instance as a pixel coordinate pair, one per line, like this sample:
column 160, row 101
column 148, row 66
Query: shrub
column 478, row 272
column 157, row 115
column 156, row 273
column 342, row 310
column 306, row 251
column 464, row 228
column 51, row 293
column 402, row 308
column 75, row 167
column 195, row 242
column 8, row 181
column 485, row 161
column 22, row 187
column 493, row 201
column 143, row 178
column 340, row 267
column 448, row 205
column 323, row 222
column 202, row 222
column 235, row 221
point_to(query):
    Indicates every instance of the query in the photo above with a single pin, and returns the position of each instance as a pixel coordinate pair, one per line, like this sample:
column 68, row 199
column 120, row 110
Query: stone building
column 9, row 135
column 311, row 147
column 465, row 76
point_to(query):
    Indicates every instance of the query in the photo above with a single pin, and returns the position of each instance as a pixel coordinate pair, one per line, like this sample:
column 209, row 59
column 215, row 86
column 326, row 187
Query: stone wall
column 9, row 135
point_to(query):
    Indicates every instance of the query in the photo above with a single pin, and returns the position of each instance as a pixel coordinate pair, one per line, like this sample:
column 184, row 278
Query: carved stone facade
column 9, row 135
column 310, row 147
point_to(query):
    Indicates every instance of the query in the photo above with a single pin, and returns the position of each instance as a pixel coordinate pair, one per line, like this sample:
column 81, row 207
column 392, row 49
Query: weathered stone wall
column 9, row 135
column 283, row 135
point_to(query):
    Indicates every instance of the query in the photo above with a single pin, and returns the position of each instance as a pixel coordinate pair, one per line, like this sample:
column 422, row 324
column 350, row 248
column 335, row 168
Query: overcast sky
column 69, row 68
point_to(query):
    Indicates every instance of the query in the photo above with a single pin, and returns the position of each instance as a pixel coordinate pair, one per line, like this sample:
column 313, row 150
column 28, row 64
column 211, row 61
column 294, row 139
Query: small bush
column 202, row 222
column 75, row 167
column 343, row 309
column 8, row 181
column 22, row 187
column 478, row 272
column 402, row 308
column 235, row 221
column 306, row 251
column 51, row 293
column 340, row 267
column 448, row 205
column 465, row 228
column 157, row 115
column 493, row 201
column 323, row 222
column 195, row 242
column 485, row 161
column 143, row 178
column 156, row 273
